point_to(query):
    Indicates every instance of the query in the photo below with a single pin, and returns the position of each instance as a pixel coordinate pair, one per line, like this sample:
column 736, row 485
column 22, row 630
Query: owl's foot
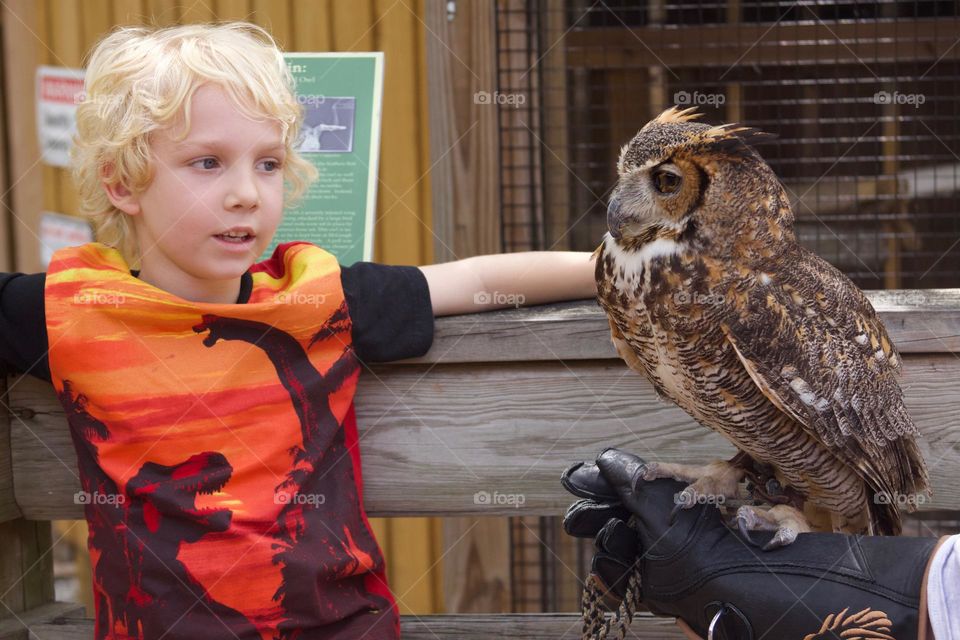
column 710, row 484
column 787, row 521
column 763, row 486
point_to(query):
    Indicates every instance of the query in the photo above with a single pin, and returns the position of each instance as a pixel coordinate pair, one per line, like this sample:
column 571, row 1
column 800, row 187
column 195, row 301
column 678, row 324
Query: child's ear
column 120, row 196
column 122, row 199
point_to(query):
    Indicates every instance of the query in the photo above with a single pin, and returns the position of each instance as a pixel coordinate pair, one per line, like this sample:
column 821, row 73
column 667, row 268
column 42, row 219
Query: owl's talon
column 783, row 537
column 651, row 471
column 785, row 520
column 746, row 520
column 718, row 478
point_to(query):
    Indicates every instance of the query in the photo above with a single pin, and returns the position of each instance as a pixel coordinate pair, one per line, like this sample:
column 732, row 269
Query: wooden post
column 9, row 510
column 476, row 567
column 20, row 23
column 465, row 184
column 464, row 134
column 6, row 223
column 26, row 561
column 26, row 574
column 26, row 564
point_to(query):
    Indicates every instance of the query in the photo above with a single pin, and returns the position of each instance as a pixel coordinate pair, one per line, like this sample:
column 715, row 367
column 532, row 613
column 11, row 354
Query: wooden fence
column 503, row 402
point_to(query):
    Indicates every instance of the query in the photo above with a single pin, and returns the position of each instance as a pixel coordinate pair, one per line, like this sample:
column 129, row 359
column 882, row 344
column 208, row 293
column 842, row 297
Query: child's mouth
column 235, row 239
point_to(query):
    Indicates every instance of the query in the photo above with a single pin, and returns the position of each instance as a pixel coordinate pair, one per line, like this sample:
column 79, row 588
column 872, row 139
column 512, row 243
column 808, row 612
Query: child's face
column 225, row 175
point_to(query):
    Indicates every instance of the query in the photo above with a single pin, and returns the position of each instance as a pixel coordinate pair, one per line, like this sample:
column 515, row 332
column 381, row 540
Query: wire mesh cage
column 861, row 99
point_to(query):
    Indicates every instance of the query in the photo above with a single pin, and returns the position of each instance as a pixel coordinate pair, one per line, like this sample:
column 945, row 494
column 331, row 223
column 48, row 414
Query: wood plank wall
column 60, row 32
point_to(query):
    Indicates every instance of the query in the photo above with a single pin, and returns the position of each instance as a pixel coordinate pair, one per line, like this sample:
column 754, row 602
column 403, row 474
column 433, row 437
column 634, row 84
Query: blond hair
column 141, row 79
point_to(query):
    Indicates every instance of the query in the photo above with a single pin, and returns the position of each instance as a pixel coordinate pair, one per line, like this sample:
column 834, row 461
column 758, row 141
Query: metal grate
column 861, row 96
column 862, row 99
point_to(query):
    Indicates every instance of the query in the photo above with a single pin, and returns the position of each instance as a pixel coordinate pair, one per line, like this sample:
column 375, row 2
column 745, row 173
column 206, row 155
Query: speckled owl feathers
column 711, row 299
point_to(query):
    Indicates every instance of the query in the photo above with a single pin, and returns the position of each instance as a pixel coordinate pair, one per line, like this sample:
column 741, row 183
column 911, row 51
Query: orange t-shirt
column 217, row 448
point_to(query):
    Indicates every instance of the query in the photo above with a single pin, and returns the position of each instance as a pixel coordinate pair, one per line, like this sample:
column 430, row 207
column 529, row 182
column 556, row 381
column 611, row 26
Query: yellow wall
column 66, row 29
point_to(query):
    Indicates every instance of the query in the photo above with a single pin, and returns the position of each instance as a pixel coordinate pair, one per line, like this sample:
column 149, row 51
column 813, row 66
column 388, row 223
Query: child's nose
column 242, row 191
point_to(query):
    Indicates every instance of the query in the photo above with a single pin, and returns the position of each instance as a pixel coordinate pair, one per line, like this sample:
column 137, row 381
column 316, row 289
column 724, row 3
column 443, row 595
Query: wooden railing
column 501, row 404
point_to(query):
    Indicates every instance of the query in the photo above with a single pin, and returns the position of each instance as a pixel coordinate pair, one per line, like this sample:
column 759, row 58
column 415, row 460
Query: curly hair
column 142, row 79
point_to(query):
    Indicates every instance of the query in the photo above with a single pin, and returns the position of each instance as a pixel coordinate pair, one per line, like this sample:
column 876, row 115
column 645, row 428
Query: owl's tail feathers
column 912, row 488
column 874, row 503
column 914, row 477
column 885, row 518
column 874, row 519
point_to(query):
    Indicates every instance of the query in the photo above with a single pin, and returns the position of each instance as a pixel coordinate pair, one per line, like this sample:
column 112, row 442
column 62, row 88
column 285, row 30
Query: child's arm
column 504, row 280
column 23, row 329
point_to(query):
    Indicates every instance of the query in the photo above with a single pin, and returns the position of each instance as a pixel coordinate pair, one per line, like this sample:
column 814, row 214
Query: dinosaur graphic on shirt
column 146, row 525
column 163, row 514
column 320, row 529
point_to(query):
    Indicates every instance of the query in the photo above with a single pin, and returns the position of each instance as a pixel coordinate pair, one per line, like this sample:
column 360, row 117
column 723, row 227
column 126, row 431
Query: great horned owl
column 710, row 297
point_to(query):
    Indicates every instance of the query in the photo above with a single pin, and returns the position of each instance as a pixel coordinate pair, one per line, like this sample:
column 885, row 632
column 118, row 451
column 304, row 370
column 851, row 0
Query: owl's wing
column 624, row 350
column 813, row 344
column 630, row 357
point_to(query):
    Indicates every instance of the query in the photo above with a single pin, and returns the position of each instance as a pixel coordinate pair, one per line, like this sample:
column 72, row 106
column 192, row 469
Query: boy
column 210, row 399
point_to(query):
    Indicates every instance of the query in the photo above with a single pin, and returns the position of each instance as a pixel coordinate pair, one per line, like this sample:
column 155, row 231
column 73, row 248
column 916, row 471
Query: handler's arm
column 497, row 281
column 697, row 568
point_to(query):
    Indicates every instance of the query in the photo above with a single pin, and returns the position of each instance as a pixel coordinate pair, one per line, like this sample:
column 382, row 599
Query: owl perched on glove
column 712, row 299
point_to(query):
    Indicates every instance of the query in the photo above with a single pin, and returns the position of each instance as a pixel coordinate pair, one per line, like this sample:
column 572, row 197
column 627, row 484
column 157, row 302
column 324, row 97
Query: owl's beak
column 614, row 220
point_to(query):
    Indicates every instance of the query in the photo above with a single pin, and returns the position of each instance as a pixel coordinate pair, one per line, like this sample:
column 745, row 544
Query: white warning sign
column 59, row 91
column 58, row 231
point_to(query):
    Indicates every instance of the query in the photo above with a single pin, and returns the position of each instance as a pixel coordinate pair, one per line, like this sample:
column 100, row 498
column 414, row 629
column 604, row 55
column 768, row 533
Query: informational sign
column 58, row 231
column 341, row 94
column 59, row 91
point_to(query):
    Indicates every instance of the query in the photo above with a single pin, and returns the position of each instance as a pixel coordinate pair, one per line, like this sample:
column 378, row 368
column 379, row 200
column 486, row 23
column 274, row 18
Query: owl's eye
column 666, row 182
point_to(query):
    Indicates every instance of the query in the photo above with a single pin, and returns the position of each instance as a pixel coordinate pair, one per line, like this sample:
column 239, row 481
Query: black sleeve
column 390, row 311
column 23, row 326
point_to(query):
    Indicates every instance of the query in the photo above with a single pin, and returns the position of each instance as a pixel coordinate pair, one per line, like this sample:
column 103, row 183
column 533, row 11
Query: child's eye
column 208, row 163
column 271, row 165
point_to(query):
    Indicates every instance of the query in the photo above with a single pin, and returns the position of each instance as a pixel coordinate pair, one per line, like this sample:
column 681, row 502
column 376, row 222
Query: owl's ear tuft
column 734, row 139
column 676, row 114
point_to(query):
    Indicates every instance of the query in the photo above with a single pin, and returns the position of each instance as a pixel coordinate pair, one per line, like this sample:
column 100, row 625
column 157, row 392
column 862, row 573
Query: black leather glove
column 701, row 570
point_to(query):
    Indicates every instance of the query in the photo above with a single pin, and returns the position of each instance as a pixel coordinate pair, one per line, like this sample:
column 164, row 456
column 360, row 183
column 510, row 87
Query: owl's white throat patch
column 633, row 260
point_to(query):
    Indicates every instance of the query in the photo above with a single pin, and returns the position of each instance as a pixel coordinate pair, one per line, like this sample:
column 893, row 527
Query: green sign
column 341, row 94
